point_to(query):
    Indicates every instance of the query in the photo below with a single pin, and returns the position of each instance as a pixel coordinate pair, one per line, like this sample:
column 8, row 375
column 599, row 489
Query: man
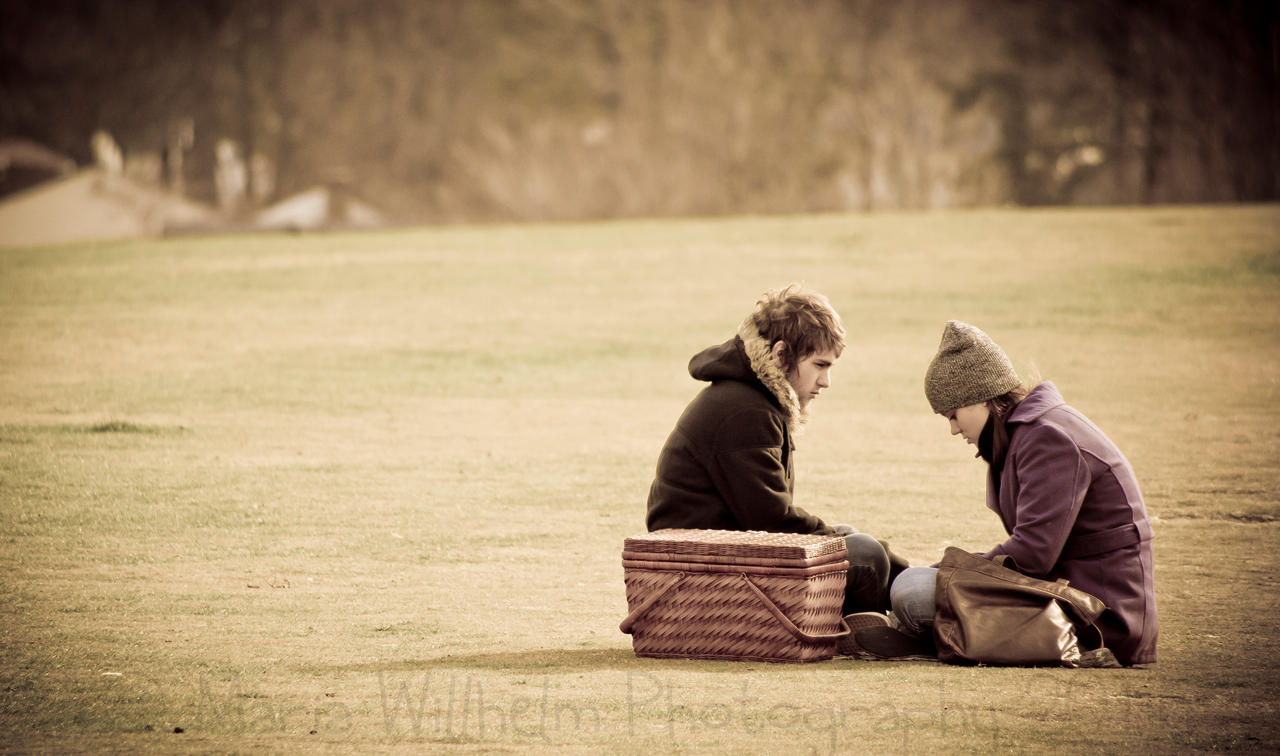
column 728, row 464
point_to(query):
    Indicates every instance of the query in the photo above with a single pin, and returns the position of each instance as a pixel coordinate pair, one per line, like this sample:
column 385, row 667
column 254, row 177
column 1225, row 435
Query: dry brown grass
column 368, row 492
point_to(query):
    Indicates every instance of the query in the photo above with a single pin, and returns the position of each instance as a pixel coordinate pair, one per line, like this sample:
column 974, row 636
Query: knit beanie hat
column 968, row 369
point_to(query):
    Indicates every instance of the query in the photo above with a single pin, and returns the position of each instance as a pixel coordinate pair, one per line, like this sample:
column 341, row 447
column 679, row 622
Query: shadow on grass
column 584, row 660
column 23, row 432
column 546, row 661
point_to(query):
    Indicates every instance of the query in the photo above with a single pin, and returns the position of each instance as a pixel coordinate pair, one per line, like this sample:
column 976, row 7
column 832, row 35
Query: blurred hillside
column 539, row 109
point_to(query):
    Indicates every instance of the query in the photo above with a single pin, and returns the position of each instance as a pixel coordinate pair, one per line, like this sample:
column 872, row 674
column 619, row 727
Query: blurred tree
column 1142, row 101
column 526, row 109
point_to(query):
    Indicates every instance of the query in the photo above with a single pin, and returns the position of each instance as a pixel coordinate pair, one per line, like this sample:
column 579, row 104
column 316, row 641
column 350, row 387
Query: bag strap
column 1086, row 606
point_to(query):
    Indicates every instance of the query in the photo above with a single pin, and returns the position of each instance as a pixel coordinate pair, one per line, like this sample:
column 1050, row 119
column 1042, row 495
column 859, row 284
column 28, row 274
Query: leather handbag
column 989, row 613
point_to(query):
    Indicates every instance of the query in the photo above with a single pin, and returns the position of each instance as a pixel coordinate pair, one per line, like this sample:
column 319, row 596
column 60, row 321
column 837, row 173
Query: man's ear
column 780, row 352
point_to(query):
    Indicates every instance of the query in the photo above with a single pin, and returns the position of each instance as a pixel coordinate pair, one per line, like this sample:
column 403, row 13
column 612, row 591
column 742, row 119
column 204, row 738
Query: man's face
column 811, row 375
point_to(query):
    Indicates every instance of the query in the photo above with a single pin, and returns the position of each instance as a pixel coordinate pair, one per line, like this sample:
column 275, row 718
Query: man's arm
column 748, row 469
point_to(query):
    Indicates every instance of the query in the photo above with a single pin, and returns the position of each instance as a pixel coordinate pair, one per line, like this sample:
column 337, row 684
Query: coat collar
column 767, row 370
column 1041, row 399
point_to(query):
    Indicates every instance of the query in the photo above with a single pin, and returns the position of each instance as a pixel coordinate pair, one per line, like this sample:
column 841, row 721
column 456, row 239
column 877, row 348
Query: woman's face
column 969, row 421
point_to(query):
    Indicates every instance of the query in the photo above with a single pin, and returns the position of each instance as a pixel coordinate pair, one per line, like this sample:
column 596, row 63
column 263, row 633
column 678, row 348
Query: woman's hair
column 805, row 320
column 1001, row 407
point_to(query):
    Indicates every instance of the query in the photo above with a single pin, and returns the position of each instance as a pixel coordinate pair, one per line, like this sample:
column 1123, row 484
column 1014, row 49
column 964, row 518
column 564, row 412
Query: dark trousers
column 872, row 568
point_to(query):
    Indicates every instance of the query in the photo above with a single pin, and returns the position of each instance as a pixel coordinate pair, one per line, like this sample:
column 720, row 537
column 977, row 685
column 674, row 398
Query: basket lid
column 756, row 544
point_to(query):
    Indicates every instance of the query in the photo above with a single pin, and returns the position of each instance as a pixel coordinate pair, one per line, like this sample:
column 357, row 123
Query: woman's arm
column 1052, row 479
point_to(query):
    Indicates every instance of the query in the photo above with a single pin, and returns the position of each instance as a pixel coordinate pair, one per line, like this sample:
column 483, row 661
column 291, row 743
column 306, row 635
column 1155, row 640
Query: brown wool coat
column 1071, row 505
column 727, row 465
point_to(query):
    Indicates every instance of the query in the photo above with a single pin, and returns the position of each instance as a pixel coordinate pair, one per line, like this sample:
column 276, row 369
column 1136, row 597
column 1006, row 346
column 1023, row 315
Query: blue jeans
column 912, row 598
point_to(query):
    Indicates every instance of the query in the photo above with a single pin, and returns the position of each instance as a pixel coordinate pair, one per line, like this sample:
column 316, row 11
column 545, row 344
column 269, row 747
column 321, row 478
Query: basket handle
column 786, row 622
column 629, row 623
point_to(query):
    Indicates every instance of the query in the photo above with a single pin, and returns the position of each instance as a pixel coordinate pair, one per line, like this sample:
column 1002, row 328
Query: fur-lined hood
column 747, row 358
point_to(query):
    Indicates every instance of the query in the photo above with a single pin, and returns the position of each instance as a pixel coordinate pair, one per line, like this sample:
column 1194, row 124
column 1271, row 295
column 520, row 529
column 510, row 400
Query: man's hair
column 805, row 320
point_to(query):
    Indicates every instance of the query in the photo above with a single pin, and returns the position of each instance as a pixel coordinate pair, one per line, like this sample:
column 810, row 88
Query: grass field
column 368, row 492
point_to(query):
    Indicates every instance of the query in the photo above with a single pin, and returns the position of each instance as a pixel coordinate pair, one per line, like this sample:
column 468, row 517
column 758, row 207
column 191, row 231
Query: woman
column 1066, row 495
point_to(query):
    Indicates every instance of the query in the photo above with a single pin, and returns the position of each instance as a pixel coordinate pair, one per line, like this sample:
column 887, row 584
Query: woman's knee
column 911, row 596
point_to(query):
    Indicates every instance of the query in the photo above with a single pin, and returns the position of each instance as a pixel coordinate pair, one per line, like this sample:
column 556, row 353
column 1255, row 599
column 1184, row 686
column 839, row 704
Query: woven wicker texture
column 639, row 560
column 716, row 615
column 733, row 595
column 737, row 543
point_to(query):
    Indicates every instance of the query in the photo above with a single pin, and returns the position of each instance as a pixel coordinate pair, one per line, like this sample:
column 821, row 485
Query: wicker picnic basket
column 736, row 595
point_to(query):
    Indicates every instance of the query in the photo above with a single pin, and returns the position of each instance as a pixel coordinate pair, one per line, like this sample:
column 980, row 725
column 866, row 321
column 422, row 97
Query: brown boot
column 848, row 645
column 889, row 643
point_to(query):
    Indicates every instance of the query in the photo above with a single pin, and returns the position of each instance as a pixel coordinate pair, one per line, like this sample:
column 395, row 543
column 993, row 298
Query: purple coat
column 1071, row 505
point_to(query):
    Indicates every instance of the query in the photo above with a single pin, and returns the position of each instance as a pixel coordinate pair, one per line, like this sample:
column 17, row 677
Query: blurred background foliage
column 477, row 110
